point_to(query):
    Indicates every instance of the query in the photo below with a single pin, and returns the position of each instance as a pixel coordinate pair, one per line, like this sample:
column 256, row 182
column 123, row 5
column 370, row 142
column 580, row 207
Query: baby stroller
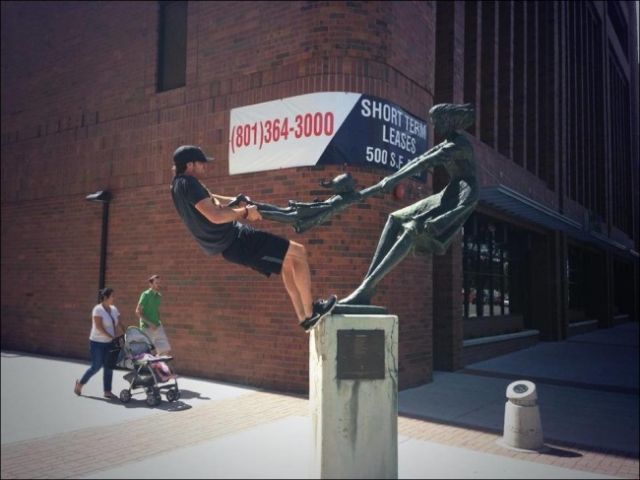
column 149, row 372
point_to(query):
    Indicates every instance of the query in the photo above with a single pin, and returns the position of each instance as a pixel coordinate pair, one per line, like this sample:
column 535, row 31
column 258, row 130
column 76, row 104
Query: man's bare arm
column 221, row 199
column 222, row 214
column 140, row 314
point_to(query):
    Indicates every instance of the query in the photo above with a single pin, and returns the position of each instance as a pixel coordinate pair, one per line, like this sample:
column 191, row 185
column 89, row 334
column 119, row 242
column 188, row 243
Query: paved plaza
column 587, row 390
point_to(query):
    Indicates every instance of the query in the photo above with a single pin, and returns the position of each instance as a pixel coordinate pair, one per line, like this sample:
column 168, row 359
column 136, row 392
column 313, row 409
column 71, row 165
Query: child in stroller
column 148, row 371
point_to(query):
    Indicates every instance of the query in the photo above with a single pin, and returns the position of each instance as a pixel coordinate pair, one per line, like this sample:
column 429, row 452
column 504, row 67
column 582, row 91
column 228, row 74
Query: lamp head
column 101, row 196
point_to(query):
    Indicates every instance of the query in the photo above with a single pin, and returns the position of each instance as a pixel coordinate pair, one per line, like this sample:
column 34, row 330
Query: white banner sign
column 323, row 128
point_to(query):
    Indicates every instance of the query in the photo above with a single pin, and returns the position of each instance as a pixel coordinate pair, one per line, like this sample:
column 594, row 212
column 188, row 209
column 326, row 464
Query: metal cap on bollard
column 522, row 425
column 522, row 392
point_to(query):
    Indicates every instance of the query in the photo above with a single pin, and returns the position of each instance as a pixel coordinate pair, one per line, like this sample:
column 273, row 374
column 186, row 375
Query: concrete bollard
column 522, row 425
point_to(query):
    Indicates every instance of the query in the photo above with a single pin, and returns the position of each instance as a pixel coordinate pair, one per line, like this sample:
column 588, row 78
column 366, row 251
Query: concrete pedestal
column 353, row 383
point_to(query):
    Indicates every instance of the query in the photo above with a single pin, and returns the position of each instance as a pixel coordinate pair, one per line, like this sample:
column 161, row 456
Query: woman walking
column 104, row 326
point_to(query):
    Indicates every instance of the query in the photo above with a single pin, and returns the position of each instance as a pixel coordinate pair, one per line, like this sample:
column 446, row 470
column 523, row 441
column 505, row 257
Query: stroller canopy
column 136, row 342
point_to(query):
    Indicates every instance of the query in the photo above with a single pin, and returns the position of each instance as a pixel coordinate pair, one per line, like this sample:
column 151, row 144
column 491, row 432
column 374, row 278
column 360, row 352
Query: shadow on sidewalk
column 550, row 450
column 587, row 392
column 177, row 406
column 559, row 452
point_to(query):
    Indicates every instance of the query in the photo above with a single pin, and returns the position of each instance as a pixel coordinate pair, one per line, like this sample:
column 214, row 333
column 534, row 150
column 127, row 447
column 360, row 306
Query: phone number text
column 263, row 132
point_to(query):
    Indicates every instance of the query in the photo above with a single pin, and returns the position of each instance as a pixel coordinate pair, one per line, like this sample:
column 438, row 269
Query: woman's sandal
column 78, row 388
column 110, row 396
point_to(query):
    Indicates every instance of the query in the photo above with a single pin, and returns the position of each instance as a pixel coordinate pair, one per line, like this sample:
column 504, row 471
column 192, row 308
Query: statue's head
column 447, row 117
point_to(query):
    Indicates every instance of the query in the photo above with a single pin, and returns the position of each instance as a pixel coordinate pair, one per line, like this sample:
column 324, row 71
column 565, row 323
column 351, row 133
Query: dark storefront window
column 492, row 258
column 172, row 45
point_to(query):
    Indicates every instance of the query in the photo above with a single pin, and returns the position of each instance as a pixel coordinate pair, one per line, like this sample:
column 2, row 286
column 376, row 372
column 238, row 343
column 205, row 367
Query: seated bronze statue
column 428, row 226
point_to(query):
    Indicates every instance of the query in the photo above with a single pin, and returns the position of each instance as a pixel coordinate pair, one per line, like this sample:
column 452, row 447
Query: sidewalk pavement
column 587, row 390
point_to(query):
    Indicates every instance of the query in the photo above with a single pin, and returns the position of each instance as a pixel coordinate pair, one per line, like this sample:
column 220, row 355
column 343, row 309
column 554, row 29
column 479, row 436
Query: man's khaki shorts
column 159, row 339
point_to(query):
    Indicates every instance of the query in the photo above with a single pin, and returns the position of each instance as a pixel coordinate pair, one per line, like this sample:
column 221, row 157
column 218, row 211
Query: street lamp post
column 103, row 197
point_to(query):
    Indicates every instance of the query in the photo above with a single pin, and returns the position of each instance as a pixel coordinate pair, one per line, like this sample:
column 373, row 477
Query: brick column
column 549, row 308
column 447, row 308
column 447, row 268
column 605, row 312
column 599, row 288
column 636, row 288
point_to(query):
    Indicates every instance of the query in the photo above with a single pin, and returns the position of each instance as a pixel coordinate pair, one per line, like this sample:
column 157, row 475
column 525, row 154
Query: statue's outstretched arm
column 387, row 183
column 305, row 215
column 268, row 211
column 302, row 215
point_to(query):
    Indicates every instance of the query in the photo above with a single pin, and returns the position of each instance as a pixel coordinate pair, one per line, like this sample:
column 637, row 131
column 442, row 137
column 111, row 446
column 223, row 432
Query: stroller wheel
column 173, row 395
column 125, row 396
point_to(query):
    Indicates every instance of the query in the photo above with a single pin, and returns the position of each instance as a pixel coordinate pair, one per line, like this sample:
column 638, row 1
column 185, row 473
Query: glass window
column 492, row 253
column 172, row 45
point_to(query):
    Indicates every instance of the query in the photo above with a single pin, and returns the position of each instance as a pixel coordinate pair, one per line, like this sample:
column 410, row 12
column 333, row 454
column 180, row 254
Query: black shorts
column 262, row 251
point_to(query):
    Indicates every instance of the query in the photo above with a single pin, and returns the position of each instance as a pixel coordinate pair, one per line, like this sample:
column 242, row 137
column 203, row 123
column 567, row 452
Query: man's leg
column 160, row 341
column 298, row 283
column 289, row 284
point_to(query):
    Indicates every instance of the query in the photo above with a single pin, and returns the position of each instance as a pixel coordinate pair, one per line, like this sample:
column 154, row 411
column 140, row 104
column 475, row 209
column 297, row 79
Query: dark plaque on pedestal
column 360, row 354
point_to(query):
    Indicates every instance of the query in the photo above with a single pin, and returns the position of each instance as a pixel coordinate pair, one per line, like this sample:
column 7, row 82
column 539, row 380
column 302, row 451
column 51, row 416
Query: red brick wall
column 80, row 114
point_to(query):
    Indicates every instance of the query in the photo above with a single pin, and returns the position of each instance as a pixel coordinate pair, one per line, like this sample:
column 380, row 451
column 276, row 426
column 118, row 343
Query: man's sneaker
column 321, row 308
column 310, row 322
column 324, row 307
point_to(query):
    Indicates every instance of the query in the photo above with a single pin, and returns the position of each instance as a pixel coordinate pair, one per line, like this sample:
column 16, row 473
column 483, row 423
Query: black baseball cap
column 189, row 153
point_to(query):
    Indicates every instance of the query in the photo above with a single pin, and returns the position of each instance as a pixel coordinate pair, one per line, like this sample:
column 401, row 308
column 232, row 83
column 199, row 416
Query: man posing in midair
column 217, row 229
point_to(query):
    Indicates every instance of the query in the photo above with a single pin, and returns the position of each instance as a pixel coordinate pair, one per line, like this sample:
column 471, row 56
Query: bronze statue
column 428, row 226
column 305, row 215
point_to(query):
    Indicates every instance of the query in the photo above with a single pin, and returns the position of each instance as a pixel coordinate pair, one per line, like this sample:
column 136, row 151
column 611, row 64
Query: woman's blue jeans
column 99, row 354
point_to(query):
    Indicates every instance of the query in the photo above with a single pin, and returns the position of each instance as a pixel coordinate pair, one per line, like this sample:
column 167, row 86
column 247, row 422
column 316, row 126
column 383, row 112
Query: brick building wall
column 81, row 114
